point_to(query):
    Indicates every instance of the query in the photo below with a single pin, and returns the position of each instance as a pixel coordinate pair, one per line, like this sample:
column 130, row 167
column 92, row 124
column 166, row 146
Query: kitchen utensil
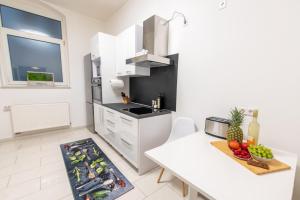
column 79, row 143
column 105, row 183
column 217, row 127
column 119, row 181
column 90, row 184
column 258, row 164
column 81, row 146
column 91, row 175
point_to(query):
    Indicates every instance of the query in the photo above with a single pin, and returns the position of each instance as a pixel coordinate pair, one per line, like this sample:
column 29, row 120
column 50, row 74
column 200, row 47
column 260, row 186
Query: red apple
column 244, row 146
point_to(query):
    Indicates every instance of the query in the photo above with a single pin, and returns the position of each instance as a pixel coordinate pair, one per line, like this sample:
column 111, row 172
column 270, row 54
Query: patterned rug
column 91, row 174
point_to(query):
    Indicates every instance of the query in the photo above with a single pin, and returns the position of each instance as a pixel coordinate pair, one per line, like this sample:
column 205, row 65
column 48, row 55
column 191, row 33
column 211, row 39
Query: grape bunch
column 260, row 151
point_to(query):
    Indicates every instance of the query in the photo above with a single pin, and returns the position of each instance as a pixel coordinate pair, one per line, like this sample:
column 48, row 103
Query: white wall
column 245, row 55
column 79, row 30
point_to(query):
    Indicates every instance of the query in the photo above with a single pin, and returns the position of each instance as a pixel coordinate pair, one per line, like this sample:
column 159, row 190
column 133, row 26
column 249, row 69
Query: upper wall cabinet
column 103, row 53
column 129, row 42
column 95, row 43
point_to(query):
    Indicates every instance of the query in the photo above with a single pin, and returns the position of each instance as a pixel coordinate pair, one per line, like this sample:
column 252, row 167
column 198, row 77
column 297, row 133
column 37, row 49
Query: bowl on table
column 264, row 160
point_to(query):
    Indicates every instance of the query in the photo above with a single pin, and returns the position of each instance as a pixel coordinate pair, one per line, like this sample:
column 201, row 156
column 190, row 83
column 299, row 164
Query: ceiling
column 100, row 9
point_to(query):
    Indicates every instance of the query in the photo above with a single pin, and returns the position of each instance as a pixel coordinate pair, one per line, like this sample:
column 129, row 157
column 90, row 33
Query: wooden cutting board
column 275, row 165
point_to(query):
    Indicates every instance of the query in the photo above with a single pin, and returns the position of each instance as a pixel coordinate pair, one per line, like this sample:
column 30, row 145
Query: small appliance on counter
column 217, row 127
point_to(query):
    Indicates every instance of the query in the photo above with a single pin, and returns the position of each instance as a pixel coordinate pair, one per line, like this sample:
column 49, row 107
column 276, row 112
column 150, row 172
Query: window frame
column 5, row 61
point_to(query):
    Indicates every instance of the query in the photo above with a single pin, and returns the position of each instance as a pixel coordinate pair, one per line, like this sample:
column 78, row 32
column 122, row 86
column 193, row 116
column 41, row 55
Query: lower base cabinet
column 98, row 118
column 131, row 137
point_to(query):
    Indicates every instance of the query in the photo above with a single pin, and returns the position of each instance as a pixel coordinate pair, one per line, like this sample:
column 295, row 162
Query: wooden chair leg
column 160, row 175
column 183, row 189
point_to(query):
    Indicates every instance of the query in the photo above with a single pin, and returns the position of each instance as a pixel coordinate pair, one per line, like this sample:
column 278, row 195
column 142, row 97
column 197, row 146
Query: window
column 32, row 42
column 33, row 55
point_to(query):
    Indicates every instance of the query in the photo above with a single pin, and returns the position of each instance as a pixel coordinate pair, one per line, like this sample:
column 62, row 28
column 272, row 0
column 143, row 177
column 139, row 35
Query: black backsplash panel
column 162, row 80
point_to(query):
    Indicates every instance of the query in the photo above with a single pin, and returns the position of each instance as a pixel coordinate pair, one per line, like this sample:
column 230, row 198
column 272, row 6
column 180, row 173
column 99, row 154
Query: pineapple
column 235, row 132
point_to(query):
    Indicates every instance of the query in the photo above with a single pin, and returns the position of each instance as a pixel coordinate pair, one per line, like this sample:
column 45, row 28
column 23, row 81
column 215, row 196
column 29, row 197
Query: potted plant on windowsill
column 40, row 78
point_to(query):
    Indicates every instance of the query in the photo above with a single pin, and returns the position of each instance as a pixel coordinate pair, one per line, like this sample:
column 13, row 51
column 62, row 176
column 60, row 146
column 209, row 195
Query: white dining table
column 215, row 175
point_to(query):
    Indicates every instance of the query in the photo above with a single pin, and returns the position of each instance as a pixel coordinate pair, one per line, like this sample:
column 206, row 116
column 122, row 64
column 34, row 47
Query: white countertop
column 209, row 171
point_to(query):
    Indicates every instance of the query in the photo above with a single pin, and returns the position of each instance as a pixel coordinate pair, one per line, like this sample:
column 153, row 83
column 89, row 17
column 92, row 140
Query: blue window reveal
column 28, row 22
column 33, row 55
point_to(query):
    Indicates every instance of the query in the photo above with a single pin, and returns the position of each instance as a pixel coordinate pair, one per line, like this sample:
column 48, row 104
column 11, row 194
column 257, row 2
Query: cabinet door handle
column 128, row 72
column 111, row 122
column 128, row 143
column 128, row 120
column 109, row 112
column 101, row 116
column 110, row 131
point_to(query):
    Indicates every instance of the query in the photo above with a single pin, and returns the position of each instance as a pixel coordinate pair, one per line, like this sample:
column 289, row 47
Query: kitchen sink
column 139, row 110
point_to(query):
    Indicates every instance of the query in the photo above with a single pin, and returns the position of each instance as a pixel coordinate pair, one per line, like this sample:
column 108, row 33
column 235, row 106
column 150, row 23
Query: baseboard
column 41, row 132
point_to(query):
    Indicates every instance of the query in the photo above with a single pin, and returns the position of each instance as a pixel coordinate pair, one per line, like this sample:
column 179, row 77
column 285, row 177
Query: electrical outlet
column 6, row 108
column 222, row 4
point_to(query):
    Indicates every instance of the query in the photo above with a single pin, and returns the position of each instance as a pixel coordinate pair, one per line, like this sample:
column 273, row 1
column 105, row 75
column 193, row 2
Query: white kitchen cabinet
column 131, row 137
column 103, row 50
column 128, row 43
column 110, row 127
column 128, row 134
column 95, row 55
column 99, row 119
column 94, row 45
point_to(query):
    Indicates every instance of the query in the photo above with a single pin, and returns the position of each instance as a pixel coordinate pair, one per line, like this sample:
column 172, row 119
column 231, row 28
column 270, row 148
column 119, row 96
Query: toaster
column 217, row 127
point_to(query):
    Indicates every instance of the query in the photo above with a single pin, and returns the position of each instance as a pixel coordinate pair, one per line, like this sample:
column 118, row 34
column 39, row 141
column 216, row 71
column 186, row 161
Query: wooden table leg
column 193, row 194
column 160, row 175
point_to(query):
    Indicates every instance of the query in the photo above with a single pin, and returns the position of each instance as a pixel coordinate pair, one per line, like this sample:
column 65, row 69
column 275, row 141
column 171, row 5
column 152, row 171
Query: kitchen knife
column 90, row 184
column 105, row 183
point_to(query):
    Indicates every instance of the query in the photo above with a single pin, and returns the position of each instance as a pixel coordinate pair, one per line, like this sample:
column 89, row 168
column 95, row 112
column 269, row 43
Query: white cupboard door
column 110, row 115
column 120, row 65
column 130, row 42
column 128, row 146
column 128, row 135
column 95, row 52
column 101, row 120
column 110, row 126
column 128, row 124
column 111, row 136
column 123, row 46
column 97, row 118
column 129, row 48
column 129, row 36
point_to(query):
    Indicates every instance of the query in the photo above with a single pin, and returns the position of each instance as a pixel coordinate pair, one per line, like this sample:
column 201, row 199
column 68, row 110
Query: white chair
column 182, row 127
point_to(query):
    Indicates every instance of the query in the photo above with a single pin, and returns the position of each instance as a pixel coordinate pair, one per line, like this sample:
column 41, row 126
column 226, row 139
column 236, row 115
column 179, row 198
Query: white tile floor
column 31, row 167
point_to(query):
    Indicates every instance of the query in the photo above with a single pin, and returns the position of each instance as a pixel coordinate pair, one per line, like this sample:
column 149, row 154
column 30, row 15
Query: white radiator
column 39, row 116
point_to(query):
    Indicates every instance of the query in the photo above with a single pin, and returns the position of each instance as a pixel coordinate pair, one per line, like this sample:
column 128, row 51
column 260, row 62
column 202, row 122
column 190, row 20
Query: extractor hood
column 155, row 44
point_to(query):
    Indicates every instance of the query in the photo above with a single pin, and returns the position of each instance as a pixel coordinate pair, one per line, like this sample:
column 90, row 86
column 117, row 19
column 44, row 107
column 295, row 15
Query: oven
column 97, row 90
